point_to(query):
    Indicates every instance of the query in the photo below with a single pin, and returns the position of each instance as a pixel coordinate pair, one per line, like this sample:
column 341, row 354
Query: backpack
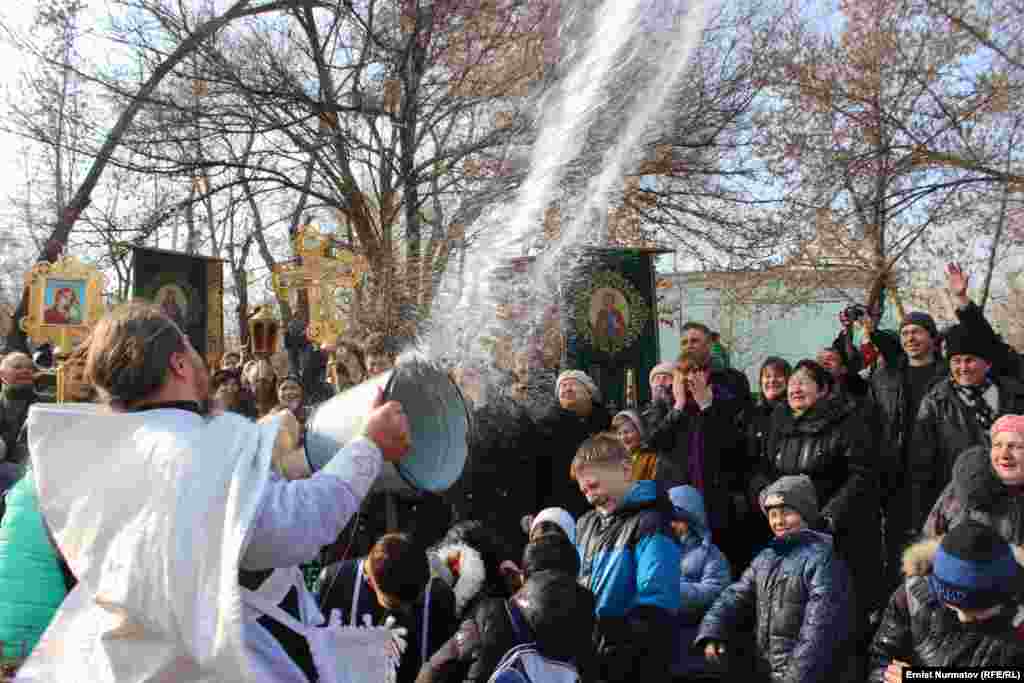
column 525, row 664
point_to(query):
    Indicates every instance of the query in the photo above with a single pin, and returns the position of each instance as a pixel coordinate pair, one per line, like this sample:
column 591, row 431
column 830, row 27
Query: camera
column 855, row 312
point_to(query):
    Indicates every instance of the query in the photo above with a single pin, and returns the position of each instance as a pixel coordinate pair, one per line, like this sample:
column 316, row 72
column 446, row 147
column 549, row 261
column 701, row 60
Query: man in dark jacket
column 956, row 608
column 630, row 560
column 897, row 392
column 956, row 414
column 578, row 415
column 702, row 438
column 17, row 371
column 797, row 591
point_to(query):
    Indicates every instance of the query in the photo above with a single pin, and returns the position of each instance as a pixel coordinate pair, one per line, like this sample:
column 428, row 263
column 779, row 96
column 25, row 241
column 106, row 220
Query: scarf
column 974, row 398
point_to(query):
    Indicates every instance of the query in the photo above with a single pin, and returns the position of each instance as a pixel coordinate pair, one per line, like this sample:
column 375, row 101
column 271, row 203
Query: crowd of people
column 862, row 512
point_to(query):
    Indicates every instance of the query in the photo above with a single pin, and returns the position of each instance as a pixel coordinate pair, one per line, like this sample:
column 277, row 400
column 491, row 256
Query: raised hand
column 700, row 387
column 388, row 427
column 679, row 389
column 957, row 282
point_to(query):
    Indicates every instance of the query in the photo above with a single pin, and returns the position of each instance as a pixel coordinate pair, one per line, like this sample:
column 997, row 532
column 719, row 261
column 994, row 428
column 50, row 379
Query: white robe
column 154, row 512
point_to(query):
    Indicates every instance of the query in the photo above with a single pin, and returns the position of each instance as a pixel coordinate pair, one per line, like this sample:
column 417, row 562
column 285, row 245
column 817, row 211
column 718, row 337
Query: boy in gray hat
column 797, row 589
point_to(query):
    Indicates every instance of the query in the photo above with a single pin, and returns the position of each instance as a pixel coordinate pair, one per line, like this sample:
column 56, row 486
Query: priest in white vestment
column 158, row 509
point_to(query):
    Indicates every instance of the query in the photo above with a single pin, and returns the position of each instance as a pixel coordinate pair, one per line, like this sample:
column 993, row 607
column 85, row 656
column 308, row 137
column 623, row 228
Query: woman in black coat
column 827, row 438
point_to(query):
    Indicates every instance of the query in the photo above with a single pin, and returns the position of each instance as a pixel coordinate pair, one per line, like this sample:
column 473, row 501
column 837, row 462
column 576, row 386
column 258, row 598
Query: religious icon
column 172, row 301
column 63, row 301
column 609, row 315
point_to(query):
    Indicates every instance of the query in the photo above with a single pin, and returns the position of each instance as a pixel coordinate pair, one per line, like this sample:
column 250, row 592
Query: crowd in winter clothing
column 861, row 513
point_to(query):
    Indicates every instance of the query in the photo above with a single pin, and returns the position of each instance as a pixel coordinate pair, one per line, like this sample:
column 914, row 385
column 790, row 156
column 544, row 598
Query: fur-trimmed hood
column 462, row 568
column 918, row 558
column 974, row 481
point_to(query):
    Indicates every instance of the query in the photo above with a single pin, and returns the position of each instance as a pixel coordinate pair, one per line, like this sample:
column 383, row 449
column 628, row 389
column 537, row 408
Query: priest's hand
column 388, row 427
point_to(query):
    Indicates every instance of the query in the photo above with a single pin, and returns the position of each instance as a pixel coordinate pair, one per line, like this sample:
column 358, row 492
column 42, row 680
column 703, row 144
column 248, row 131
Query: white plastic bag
column 343, row 654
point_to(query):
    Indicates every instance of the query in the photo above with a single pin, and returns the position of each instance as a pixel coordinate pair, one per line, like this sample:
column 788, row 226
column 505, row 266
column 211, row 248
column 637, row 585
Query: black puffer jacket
column 945, row 428
column 798, row 592
column 831, row 445
column 977, row 493
column 918, row 628
column 499, row 483
column 560, row 433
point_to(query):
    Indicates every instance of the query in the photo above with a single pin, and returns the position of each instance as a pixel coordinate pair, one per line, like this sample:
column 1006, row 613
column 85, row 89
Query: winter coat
column 472, row 654
column 945, row 428
column 830, row 444
column 631, row 563
column 723, row 455
column 917, row 628
column 977, row 493
column 798, row 592
column 499, row 483
column 338, row 588
column 32, row 586
column 735, row 382
column 480, row 554
column 891, row 397
column 560, row 433
column 705, row 573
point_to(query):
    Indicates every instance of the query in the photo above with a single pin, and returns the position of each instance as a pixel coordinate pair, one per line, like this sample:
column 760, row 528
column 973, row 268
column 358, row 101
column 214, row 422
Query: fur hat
column 584, row 379
column 920, row 319
column 974, row 568
column 796, row 492
column 959, row 341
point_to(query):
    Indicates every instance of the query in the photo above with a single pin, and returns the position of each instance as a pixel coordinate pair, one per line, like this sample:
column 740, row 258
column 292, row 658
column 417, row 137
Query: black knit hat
column 551, row 552
column 974, row 568
column 959, row 341
column 921, row 319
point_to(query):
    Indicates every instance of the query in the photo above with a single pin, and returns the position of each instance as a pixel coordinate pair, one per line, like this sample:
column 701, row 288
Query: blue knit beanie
column 974, row 568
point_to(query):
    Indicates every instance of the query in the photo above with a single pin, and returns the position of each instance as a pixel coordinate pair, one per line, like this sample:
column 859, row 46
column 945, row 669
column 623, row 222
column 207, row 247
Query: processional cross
column 321, row 271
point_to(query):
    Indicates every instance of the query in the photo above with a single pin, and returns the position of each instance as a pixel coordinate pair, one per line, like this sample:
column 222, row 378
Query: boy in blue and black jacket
column 630, row 561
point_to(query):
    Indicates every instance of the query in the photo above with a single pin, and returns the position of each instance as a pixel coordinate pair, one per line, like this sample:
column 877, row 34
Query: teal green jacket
column 31, row 583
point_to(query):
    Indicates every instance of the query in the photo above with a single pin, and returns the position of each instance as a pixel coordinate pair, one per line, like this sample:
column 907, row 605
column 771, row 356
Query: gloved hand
column 398, row 636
